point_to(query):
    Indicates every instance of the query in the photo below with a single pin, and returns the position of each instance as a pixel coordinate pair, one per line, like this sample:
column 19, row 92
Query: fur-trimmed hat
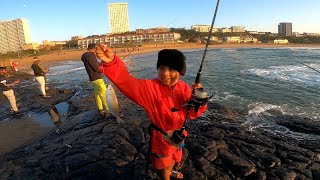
column 91, row 46
column 172, row 58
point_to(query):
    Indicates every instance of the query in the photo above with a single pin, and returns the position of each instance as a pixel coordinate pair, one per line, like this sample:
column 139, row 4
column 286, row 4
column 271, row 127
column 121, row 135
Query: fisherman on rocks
column 157, row 96
column 99, row 88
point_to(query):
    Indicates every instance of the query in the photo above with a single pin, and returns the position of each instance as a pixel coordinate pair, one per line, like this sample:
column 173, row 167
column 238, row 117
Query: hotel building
column 285, row 29
column 134, row 38
column 14, row 35
column 118, row 17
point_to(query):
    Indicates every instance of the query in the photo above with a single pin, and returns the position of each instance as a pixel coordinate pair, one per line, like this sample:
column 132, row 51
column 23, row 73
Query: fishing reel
column 199, row 98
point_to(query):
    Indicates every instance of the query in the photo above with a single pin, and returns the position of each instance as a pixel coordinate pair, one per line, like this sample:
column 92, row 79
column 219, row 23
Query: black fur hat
column 174, row 59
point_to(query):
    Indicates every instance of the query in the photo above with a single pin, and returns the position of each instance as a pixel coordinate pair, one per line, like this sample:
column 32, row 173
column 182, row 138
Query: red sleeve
column 133, row 88
column 192, row 115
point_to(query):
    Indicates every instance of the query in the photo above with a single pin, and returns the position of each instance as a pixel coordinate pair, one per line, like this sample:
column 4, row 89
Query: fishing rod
column 197, row 80
column 199, row 96
column 307, row 66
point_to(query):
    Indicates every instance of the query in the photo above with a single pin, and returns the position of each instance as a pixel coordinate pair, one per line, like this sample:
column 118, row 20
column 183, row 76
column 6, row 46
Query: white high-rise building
column 14, row 35
column 118, row 17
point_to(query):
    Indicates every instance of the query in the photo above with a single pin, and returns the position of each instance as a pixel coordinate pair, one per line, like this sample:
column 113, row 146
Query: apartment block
column 203, row 28
column 130, row 38
column 285, row 29
column 237, row 29
column 118, row 17
column 14, row 35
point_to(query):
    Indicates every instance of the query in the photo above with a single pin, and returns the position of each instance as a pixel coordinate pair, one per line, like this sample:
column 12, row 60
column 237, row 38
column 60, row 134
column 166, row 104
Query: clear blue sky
column 61, row 19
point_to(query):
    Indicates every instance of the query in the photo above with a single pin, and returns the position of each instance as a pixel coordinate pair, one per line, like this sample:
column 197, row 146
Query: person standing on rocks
column 95, row 75
column 157, row 96
column 6, row 89
column 39, row 73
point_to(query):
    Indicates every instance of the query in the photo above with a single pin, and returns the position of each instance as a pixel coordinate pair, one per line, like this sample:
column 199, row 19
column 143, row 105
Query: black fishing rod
column 307, row 66
column 197, row 80
column 199, row 96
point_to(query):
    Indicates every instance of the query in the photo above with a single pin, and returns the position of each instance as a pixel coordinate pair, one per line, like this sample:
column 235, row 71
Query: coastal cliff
column 219, row 145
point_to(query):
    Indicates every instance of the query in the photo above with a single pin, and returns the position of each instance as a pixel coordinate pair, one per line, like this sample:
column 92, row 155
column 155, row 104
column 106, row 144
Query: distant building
column 285, row 29
column 225, row 30
column 232, row 39
column 311, row 34
column 253, row 32
column 118, row 17
column 296, row 34
column 249, row 39
column 152, row 30
column 76, row 37
column 14, row 35
column 203, row 28
column 237, row 29
column 53, row 43
column 130, row 38
column 280, row 41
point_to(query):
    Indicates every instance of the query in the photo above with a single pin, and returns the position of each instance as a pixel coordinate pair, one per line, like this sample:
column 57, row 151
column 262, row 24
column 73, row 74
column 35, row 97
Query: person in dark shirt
column 39, row 73
column 5, row 87
column 95, row 75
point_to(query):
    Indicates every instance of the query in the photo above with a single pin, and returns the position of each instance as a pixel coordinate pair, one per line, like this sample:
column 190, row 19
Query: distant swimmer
column 158, row 96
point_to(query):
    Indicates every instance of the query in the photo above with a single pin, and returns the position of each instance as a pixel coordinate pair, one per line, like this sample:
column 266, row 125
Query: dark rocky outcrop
column 218, row 147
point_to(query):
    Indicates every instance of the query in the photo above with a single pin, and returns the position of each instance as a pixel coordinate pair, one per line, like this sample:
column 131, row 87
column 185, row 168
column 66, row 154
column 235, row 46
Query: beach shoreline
column 49, row 59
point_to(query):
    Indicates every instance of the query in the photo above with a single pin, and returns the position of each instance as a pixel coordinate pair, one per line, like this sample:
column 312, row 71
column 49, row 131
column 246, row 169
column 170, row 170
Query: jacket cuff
column 103, row 64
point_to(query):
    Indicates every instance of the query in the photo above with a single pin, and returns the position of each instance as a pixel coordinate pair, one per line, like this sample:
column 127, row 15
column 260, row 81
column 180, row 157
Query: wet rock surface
column 219, row 146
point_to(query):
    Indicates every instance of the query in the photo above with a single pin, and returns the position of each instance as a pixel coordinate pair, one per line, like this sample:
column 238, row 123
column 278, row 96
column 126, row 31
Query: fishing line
column 128, row 54
column 307, row 66
column 197, row 80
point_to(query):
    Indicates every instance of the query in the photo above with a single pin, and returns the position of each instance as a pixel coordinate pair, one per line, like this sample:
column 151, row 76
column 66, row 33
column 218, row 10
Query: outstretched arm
column 116, row 71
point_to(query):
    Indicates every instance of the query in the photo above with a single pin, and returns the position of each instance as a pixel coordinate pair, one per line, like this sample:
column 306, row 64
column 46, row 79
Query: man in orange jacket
column 157, row 96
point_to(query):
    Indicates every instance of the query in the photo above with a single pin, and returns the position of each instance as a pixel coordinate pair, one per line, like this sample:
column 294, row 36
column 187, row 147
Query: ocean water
column 253, row 80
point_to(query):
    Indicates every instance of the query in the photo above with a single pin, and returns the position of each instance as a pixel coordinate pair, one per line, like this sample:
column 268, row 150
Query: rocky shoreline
column 219, row 146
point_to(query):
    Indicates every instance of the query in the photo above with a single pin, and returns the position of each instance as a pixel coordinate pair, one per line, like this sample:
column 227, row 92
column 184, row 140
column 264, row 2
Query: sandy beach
column 75, row 55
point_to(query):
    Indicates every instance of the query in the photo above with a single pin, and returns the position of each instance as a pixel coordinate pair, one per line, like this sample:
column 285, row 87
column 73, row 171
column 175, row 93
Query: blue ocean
column 253, row 80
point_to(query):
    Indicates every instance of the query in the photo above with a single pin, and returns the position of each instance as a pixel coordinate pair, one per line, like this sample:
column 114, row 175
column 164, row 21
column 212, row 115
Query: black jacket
column 38, row 70
column 3, row 80
column 92, row 66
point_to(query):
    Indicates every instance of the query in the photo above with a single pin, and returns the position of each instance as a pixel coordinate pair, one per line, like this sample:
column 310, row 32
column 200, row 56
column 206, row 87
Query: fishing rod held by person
column 199, row 96
column 197, row 80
